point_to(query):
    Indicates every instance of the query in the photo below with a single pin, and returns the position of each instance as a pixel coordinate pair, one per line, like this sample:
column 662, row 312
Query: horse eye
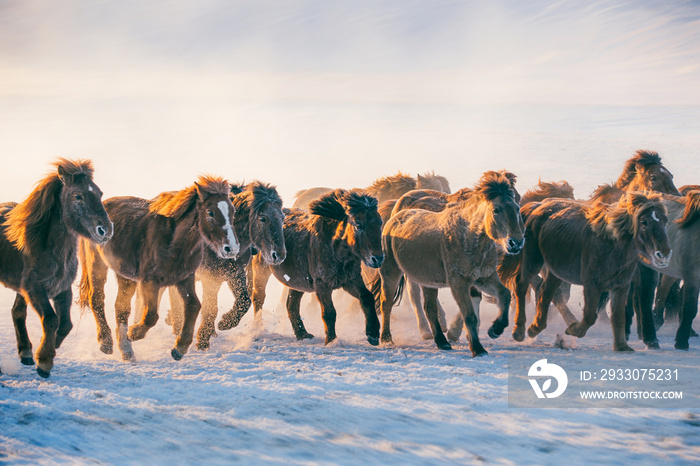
column 496, row 210
column 210, row 213
column 263, row 219
column 359, row 226
column 78, row 197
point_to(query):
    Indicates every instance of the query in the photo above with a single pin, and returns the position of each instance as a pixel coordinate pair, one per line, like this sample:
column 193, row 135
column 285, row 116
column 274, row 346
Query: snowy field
column 320, row 93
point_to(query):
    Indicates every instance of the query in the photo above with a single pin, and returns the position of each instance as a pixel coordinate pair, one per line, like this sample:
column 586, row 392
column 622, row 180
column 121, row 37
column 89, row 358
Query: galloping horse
column 595, row 246
column 38, row 247
column 457, row 247
column 325, row 248
column 258, row 226
column 158, row 243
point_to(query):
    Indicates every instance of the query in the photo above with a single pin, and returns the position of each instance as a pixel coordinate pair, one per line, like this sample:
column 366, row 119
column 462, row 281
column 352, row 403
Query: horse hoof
column 685, row 346
column 518, row 335
column 479, row 353
column 624, row 348
column 307, row 336
column 329, row 340
column 693, row 333
column 202, row 345
column 127, row 355
column 27, row 361
column 374, row 341
column 228, row 321
column 42, row 373
column 653, row 344
column 176, row 354
column 106, row 348
column 493, row 333
column 445, row 346
column 451, row 337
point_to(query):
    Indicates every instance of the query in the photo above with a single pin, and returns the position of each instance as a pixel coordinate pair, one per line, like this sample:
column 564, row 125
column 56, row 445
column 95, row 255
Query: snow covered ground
column 336, row 94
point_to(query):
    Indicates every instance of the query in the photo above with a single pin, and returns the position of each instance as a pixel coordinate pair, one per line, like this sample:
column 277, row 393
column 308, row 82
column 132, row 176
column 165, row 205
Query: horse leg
column 62, row 303
column 549, row 286
column 293, row 311
column 49, row 321
column 187, row 290
column 241, row 289
column 260, row 276
column 561, row 300
column 414, row 294
column 591, row 298
column 430, row 305
column 19, row 318
column 177, row 308
column 689, row 309
column 618, row 302
column 458, row 322
column 122, row 308
column 390, row 277
column 644, row 299
column 210, row 309
column 531, row 263
column 459, row 288
column 662, row 292
column 324, row 295
column 96, row 278
column 366, row 298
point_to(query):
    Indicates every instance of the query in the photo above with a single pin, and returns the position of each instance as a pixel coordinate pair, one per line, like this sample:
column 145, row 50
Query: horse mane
column 604, row 191
column 641, row 159
column 237, row 188
column 544, row 190
column 341, row 204
column 493, row 184
column 175, row 204
column 430, row 178
column 619, row 220
column 692, row 209
column 27, row 223
column 685, row 189
column 397, row 183
column 253, row 197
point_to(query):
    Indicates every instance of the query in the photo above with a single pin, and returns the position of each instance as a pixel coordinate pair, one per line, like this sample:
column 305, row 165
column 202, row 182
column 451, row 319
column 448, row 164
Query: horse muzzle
column 228, row 252
column 660, row 260
column 375, row 261
column 514, row 246
column 275, row 258
column 101, row 234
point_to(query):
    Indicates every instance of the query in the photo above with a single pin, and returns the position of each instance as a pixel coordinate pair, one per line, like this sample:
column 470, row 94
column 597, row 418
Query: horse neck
column 187, row 236
column 241, row 225
column 339, row 233
column 474, row 211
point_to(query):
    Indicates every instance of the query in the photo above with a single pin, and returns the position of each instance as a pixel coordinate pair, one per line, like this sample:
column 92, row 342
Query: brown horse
column 643, row 172
column 325, row 248
column 457, row 247
column 157, row 243
column 595, row 246
column 384, row 189
column 258, row 226
column 38, row 247
column 684, row 237
column 434, row 201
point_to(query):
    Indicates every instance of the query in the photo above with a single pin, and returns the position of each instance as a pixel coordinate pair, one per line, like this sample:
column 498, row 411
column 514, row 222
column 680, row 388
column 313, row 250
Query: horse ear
column 63, row 175
column 200, row 191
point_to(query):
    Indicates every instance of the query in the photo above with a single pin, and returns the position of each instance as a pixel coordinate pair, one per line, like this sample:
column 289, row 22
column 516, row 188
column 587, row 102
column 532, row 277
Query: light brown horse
column 458, row 248
column 156, row 244
column 383, row 189
column 38, row 252
column 595, row 246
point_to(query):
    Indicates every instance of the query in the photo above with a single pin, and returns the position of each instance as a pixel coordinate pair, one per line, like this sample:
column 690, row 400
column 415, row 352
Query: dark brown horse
column 325, row 248
column 458, row 248
column 38, row 247
column 157, row 243
column 684, row 236
column 384, row 189
column 595, row 246
column 258, row 226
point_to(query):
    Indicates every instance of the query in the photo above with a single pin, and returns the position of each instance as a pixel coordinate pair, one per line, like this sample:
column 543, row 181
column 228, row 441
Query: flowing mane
column 641, row 160
column 605, row 190
column 178, row 203
column 433, row 181
column 27, row 224
column 494, row 184
column 253, row 197
column 545, row 190
column 620, row 220
column 692, row 209
column 392, row 184
column 329, row 206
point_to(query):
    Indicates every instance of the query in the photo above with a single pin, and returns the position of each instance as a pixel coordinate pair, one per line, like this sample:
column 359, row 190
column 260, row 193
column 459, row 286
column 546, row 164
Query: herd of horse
column 628, row 244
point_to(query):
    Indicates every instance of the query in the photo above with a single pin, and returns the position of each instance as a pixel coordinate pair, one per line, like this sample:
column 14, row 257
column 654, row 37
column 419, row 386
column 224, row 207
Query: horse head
column 649, row 227
column 266, row 222
column 215, row 214
column 81, row 201
column 645, row 172
column 364, row 226
column 503, row 222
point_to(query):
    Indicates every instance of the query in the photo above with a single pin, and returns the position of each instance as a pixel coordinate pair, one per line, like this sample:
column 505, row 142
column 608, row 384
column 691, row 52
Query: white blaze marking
column 653, row 215
column 223, row 207
column 286, row 277
column 89, row 188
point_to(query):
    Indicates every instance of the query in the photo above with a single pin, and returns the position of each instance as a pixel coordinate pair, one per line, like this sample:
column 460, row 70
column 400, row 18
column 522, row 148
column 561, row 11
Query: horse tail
column 375, row 286
column 508, row 268
column 692, row 209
